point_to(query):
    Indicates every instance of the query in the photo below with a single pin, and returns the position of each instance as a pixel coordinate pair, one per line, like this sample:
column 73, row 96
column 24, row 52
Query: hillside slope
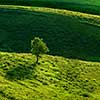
column 55, row 78
column 67, row 33
column 87, row 6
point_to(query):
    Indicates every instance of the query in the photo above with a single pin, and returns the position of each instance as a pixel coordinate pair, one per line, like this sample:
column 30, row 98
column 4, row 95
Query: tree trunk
column 37, row 59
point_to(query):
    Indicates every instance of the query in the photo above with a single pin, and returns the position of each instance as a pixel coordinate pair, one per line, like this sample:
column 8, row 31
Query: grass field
column 90, row 2
column 67, row 33
column 70, row 71
column 87, row 6
column 55, row 78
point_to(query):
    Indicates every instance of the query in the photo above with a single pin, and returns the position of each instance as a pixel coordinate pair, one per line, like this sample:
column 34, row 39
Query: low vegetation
column 69, row 35
column 87, row 6
column 55, row 78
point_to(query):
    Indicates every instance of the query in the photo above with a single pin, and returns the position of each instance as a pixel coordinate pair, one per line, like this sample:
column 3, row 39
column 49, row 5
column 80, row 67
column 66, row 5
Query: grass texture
column 67, row 33
column 54, row 78
column 88, row 6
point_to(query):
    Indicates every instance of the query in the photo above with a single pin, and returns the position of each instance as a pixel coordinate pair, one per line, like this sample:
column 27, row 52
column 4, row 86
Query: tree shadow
column 21, row 73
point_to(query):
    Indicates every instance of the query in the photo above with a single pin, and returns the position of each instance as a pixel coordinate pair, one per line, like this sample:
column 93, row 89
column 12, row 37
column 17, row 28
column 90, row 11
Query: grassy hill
column 88, row 6
column 55, row 78
column 90, row 2
column 67, row 33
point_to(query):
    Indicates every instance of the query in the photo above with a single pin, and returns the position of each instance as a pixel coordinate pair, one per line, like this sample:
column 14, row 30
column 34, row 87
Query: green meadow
column 55, row 78
column 67, row 33
column 70, row 71
column 86, row 6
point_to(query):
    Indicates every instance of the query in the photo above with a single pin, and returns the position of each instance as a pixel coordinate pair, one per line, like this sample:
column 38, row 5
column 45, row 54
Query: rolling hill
column 86, row 6
column 70, row 71
column 54, row 78
column 67, row 33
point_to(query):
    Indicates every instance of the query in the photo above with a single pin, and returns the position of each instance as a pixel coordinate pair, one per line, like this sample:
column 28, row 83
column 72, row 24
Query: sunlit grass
column 54, row 78
column 68, row 34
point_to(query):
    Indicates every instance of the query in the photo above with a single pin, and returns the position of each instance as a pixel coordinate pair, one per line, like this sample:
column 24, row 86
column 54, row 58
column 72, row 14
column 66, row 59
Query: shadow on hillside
column 65, row 36
column 21, row 72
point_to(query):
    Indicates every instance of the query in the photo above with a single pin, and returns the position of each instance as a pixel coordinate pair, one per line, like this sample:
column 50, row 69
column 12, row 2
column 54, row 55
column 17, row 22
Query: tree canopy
column 38, row 47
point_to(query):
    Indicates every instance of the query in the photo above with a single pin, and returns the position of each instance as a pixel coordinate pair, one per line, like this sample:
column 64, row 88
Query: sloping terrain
column 67, row 33
column 55, row 78
column 87, row 6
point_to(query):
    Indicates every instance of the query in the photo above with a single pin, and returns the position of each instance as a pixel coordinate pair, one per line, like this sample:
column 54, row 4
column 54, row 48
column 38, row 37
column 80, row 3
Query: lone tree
column 38, row 47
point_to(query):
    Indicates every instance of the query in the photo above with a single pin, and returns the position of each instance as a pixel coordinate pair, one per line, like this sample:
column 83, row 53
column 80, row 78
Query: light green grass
column 55, row 78
column 67, row 33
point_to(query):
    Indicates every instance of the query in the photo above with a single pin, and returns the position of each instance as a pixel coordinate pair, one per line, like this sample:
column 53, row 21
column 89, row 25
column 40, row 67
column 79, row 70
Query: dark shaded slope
column 65, row 35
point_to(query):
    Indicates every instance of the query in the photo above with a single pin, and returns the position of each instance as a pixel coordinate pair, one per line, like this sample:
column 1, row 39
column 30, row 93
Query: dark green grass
column 69, row 34
column 76, row 5
column 54, row 78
